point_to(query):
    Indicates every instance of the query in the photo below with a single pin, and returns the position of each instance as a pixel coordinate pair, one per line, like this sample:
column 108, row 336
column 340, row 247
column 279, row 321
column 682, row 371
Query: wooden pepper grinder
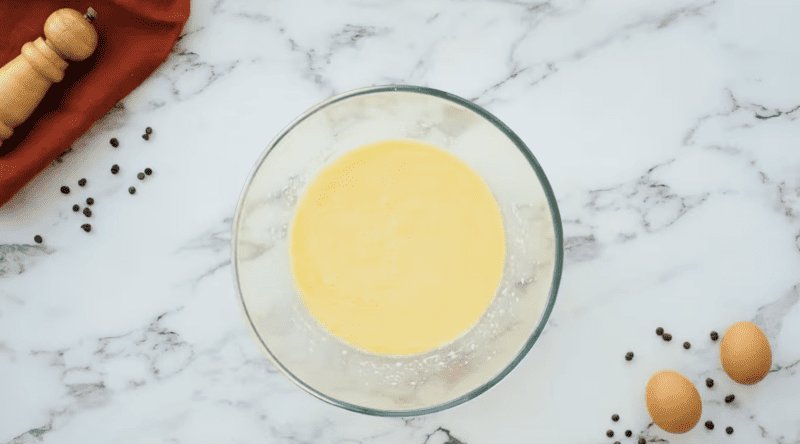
column 25, row 80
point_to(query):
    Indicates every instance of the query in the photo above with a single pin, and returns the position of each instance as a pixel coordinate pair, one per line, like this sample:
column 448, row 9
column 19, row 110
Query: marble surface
column 668, row 129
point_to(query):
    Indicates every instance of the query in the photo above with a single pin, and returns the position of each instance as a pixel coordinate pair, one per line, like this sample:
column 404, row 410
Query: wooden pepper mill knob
column 25, row 80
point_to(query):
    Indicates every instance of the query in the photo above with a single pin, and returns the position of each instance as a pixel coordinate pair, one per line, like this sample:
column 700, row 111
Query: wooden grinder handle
column 25, row 80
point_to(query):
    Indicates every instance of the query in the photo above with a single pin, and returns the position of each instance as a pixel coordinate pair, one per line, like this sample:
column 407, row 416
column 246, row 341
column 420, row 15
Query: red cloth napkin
column 134, row 38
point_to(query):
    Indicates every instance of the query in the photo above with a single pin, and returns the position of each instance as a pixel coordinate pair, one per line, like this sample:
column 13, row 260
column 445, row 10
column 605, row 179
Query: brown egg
column 673, row 402
column 745, row 353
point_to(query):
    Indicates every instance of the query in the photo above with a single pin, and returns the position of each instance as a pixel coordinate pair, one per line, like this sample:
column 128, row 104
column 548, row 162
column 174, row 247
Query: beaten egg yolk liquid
column 397, row 247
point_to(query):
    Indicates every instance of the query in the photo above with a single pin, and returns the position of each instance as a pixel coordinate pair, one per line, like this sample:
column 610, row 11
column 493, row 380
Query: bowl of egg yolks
column 397, row 250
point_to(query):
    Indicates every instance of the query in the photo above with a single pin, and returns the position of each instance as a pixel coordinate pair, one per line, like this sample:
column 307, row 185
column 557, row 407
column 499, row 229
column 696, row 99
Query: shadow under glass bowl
column 341, row 374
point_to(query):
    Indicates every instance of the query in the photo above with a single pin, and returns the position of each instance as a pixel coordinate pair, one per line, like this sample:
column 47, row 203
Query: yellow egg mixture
column 397, row 247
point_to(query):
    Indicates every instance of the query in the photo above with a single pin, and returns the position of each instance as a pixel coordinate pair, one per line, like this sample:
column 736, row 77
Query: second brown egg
column 673, row 402
column 745, row 353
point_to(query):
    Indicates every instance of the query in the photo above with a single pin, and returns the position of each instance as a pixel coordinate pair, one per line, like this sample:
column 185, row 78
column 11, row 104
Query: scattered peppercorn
column 132, row 190
column 617, row 442
column 114, row 142
column 615, row 417
column 709, row 425
column 87, row 212
column 140, row 176
column 729, row 399
column 82, row 182
column 642, row 441
column 114, row 169
column 610, row 433
column 659, row 331
column 667, row 337
column 628, row 433
column 148, row 130
column 90, row 201
column 629, row 356
column 65, row 189
column 146, row 136
column 75, row 208
column 687, row 345
column 86, row 227
column 38, row 239
column 148, row 171
column 714, row 336
column 709, row 382
column 729, row 430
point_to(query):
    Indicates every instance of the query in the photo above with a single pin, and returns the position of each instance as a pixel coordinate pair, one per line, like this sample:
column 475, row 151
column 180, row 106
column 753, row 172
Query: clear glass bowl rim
column 557, row 229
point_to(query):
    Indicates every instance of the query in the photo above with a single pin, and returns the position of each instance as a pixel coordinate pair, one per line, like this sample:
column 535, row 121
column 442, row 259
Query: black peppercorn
column 146, row 136
column 75, row 208
column 90, row 201
column 729, row 399
column 132, row 190
column 615, row 417
column 709, row 425
column 714, row 336
column 86, row 227
column 65, row 189
column 709, row 382
column 659, row 331
column 114, row 142
column 629, row 356
column 642, row 441
column 148, row 171
column 667, row 337
column 617, row 442
column 87, row 212
column 628, row 433
column 148, row 130
column 82, row 182
column 687, row 345
column 114, row 169
column 729, row 430
column 140, row 176
column 610, row 433
column 37, row 239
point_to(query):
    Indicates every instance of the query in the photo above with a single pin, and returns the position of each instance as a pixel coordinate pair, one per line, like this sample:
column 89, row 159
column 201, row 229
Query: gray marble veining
column 668, row 129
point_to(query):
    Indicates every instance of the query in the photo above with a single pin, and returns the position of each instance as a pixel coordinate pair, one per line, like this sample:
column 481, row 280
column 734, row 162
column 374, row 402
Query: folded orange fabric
column 134, row 38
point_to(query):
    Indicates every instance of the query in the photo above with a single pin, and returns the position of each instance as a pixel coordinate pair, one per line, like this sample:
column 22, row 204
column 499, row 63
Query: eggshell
column 745, row 353
column 673, row 402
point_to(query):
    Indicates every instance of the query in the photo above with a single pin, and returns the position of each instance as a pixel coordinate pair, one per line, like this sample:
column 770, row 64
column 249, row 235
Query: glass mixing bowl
column 341, row 374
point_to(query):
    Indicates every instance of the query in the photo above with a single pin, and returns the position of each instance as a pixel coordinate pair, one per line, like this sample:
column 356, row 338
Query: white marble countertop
column 668, row 129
